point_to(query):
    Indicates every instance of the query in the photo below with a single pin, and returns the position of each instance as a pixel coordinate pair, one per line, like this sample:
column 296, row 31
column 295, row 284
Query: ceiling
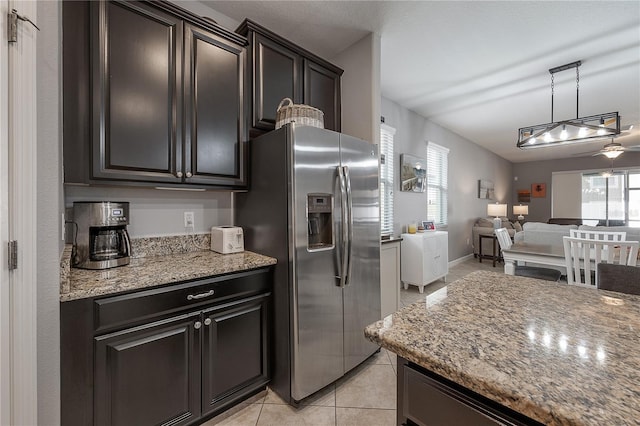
column 480, row 68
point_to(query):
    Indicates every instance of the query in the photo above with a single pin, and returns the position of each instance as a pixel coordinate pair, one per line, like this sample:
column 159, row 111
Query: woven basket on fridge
column 303, row 115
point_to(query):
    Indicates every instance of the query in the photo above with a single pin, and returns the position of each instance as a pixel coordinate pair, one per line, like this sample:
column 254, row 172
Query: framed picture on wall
column 485, row 189
column 524, row 196
column 539, row 190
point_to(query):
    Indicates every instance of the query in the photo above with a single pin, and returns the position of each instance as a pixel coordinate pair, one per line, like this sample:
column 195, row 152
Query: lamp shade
column 497, row 210
column 521, row 210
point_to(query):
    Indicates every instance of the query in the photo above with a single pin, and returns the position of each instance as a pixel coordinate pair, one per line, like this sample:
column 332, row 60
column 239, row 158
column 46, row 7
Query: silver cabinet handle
column 200, row 296
column 207, row 321
column 179, row 174
column 197, row 325
column 189, row 174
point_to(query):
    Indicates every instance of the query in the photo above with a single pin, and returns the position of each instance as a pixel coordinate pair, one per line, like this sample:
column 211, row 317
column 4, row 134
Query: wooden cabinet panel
column 136, row 110
column 276, row 75
column 234, row 352
column 214, row 138
column 148, row 375
column 130, row 114
column 280, row 69
column 322, row 91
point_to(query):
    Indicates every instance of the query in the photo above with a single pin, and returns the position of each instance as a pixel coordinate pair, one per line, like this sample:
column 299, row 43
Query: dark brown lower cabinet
column 233, row 351
column 148, row 375
column 427, row 399
column 175, row 355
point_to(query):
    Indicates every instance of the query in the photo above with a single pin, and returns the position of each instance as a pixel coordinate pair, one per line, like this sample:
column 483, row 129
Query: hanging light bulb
column 583, row 131
column 564, row 134
column 532, row 139
column 547, row 137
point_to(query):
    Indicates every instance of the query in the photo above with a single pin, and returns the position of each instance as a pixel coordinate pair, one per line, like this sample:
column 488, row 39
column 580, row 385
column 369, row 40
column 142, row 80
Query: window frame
column 439, row 184
column 386, row 153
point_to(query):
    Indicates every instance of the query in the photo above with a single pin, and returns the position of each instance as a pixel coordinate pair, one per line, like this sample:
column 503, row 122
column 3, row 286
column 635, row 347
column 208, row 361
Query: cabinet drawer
column 428, row 402
column 111, row 312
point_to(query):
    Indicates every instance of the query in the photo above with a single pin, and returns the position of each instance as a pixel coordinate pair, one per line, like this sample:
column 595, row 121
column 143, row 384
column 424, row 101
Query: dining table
column 541, row 254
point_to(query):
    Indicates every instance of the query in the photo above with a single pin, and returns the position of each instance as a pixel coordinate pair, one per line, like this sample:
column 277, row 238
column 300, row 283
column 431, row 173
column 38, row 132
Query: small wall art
column 524, row 196
column 539, row 190
column 485, row 189
column 413, row 173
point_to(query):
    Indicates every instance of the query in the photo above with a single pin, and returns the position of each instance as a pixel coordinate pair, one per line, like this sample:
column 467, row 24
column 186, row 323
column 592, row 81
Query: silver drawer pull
column 197, row 325
column 200, row 296
column 207, row 321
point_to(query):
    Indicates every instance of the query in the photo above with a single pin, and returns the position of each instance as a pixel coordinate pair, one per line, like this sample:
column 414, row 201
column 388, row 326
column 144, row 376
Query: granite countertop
column 562, row 355
column 152, row 271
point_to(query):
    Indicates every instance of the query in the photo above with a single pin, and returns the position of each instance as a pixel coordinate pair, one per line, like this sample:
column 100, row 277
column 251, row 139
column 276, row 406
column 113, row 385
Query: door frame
column 18, row 164
column 5, row 351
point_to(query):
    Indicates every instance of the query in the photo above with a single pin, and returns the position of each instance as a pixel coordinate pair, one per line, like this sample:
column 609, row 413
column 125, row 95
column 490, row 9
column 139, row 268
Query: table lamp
column 521, row 211
column 497, row 210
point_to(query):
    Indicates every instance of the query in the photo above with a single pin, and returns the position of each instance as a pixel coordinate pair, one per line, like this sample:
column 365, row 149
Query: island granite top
column 151, row 271
column 562, row 355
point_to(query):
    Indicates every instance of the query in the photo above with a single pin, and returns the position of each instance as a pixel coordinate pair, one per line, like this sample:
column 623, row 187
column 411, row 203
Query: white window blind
column 437, row 166
column 386, row 178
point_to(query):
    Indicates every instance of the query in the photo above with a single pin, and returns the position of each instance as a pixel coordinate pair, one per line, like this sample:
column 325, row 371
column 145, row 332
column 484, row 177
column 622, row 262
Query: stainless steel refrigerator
column 313, row 204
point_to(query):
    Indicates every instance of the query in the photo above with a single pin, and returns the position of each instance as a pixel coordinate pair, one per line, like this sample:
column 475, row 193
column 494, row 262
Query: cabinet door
column 214, row 136
column 276, row 75
column 322, row 91
column 234, row 350
column 148, row 375
column 136, row 54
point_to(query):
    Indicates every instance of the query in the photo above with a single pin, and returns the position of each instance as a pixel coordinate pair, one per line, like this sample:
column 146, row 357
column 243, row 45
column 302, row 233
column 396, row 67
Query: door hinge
column 12, row 28
column 13, row 255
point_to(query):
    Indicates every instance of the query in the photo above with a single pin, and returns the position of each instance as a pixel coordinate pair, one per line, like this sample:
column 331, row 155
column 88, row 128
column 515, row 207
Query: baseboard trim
column 460, row 260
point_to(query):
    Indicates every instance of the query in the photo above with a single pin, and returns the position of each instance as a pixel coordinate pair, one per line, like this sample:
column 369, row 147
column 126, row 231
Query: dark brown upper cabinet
column 155, row 97
column 279, row 69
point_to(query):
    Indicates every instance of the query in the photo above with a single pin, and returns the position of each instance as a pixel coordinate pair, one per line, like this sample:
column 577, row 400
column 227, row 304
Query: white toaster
column 227, row 239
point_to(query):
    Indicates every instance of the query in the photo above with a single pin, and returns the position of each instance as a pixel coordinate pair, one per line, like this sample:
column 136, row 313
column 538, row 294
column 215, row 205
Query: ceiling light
column 561, row 132
column 612, row 154
column 564, row 135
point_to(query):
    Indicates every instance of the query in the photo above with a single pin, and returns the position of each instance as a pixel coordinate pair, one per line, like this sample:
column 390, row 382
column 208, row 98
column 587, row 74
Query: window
column 612, row 200
column 437, row 166
column 386, row 178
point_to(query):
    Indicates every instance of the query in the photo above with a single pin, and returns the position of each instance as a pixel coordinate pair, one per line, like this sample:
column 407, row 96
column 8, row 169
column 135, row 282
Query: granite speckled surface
column 159, row 261
column 562, row 355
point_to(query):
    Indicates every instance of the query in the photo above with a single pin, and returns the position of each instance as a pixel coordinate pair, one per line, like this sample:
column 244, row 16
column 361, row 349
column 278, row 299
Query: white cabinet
column 425, row 258
column 389, row 277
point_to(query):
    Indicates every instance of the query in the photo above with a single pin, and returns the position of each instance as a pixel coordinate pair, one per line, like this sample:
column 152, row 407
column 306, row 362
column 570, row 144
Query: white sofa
column 545, row 233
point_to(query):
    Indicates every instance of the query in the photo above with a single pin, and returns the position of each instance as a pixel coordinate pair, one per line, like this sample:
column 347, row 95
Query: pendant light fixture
column 571, row 130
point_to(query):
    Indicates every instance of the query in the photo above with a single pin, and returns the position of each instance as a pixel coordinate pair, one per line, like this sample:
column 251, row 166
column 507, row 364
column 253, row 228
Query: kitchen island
column 555, row 354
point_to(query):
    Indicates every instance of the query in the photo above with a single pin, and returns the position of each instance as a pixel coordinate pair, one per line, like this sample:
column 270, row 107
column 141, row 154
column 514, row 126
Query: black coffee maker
column 101, row 240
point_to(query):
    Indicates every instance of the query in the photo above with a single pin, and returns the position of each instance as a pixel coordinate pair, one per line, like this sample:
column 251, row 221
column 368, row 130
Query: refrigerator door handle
column 349, row 233
column 344, row 231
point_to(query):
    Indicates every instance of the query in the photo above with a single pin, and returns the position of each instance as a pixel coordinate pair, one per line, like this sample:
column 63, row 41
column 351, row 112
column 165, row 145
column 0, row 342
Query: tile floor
column 365, row 396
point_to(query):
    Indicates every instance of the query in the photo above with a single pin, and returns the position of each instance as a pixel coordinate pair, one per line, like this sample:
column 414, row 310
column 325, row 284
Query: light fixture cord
column 577, row 90
column 552, row 97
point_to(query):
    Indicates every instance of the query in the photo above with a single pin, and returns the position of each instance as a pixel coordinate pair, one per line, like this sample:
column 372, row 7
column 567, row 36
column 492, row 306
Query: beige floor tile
column 246, row 416
column 325, row 397
column 365, row 417
column 368, row 386
column 281, row 415
column 379, row 357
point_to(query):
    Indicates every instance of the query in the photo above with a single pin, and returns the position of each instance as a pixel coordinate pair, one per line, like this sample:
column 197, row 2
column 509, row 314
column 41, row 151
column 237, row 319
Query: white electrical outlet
column 189, row 221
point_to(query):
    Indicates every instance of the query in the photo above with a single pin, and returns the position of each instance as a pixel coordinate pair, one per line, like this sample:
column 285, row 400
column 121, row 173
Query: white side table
column 425, row 258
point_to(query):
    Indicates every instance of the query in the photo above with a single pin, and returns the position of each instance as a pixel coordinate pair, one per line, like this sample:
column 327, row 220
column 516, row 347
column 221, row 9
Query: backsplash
column 171, row 244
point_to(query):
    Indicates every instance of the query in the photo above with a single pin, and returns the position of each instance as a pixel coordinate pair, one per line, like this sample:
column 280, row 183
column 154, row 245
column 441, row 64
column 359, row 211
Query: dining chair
column 547, row 274
column 620, row 278
column 582, row 256
column 598, row 235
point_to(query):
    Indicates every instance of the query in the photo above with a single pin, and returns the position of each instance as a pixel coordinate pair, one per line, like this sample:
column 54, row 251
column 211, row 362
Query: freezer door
column 317, row 344
column 362, row 292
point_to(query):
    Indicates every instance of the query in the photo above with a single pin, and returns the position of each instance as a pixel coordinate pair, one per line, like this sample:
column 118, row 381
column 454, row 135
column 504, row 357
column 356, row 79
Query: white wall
column 49, row 210
column 361, row 88
column 468, row 163
column 155, row 212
